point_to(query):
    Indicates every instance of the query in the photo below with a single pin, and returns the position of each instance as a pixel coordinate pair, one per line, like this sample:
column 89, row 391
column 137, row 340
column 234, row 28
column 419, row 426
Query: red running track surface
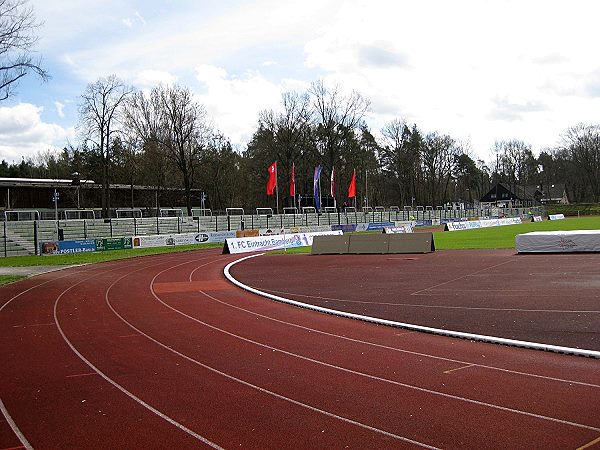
column 547, row 298
column 161, row 352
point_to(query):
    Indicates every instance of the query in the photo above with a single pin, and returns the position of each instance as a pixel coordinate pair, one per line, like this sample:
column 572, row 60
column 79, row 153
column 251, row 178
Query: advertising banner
column 473, row 224
column 165, row 240
column 344, row 228
column 556, row 216
column 68, row 247
column 266, row 243
column 379, row 225
column 113, row 244
column 396, row 230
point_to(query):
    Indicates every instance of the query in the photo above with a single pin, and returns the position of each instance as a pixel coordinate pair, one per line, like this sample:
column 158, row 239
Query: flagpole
column 276, row 190
column 294, row 183
column 319, row 181
column 366, row 188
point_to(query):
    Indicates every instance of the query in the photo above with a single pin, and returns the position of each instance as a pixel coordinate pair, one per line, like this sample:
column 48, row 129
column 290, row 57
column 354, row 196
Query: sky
column 480, row 71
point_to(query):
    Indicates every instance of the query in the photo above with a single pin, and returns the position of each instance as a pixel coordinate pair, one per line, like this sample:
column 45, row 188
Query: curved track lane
column 163, row 352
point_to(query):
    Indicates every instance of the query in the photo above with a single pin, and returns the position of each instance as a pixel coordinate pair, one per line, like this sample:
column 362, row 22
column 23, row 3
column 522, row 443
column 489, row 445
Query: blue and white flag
column 316, row 187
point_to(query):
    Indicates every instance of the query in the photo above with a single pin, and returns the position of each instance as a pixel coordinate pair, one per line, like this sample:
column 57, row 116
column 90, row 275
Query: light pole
column 76, row 182
column 55, row 199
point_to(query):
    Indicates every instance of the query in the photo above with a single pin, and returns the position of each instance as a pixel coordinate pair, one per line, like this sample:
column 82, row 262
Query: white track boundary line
column 397, row 383
column 117, row 385
column 402, row 350
column 14, row 427
column 409, row 326
column 419, row 305
column 243, row 382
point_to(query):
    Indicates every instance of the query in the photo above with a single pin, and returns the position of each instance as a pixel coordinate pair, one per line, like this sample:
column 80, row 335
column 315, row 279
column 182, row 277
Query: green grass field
column 5, row 279
column 496, row 237
column 504, row 237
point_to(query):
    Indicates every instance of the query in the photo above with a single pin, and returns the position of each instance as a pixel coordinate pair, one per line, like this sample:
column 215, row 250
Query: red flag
column 272, row 178
column 292, row 183
column 333, row 182
column 352, row 187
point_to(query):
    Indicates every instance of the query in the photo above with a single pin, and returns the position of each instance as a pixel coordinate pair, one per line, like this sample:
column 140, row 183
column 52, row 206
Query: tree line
column 164, row 138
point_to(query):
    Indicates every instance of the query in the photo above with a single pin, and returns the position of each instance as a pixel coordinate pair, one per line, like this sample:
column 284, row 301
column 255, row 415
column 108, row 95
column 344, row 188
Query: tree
column 170, row 118
column 439, row 154
column 99, row 118
column 335, row 118
column 400, row 156
column 17, row 39
column 288, row 130
column 582, row 145
column 516, row 162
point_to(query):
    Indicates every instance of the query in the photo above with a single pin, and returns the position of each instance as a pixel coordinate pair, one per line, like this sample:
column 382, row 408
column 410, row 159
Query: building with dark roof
column 38, row 193
column 505, row 195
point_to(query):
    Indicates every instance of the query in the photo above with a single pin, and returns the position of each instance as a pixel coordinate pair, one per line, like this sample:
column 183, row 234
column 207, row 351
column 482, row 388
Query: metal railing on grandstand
column 23, row 237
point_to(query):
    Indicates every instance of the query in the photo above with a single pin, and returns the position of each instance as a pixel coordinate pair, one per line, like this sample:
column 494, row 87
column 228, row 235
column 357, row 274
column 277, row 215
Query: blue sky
column 477, row 70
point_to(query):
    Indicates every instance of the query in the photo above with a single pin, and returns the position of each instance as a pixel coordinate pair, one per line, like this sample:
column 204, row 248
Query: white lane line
column 38, row 285
column 461, row 277
column 14, row 427
column 459, row 368
column 409, row 352
column 420, row 305
column 397, row 383
column 386, row 380
column 77, row 375
column 117, row 385
column 248, row 384
column 410, row 326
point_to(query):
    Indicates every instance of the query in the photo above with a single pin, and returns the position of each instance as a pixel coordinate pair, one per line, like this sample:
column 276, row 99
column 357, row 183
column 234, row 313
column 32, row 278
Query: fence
column 23, row 237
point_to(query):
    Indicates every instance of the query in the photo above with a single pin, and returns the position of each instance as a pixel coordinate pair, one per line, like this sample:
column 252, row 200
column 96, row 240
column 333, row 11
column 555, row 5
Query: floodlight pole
column 55, row 198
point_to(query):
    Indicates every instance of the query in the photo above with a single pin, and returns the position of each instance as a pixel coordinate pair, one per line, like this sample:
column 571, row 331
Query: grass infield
column 495, row 237
column 504, row 237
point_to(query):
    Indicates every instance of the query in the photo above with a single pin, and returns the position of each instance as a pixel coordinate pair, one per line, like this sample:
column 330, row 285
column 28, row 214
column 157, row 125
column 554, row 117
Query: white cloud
column 149, row 78
column 467, row 68
column 24, row 134
column 140, row 18
column 59, row 109
column 235, row 102
column 127, row 22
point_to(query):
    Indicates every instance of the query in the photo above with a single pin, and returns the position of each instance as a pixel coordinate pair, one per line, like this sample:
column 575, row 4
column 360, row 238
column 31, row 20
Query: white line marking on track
column 410, row 352
column 34, row 325
column 253, row 386
column 405, row 385
column 38, row 285
column 81, row 375
column 463, row 276
column 459, row 368
column 14, row 427
column 410, row 326
column 117, row 385
column 386, row 380
column 420, row 305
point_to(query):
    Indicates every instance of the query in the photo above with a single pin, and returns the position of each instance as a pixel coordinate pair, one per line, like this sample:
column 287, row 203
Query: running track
column 163, row 352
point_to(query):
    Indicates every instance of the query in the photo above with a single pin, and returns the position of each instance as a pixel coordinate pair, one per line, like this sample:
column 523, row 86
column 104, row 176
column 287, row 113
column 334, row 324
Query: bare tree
column 178, row 124
column 400, row 159
column 336, row 117
column 582, row 144
column 289, row 130
column 17, row 39
column 439, row 156
column 99, row 118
